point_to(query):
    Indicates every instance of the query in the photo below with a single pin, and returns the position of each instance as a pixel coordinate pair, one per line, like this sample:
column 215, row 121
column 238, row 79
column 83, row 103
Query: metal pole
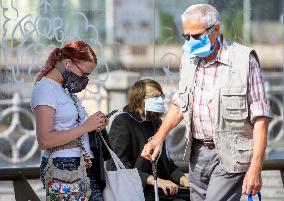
column 154, row 169
column 154, row 38
column 282, row 21
column 109, row 14
column 247, row 21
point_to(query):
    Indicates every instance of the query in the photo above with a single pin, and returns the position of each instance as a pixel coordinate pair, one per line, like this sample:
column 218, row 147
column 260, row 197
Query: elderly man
column 222, row 99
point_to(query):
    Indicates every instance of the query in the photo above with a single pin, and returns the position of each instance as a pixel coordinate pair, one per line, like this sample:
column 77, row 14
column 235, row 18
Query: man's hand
column 151, row 150
column 252, row 182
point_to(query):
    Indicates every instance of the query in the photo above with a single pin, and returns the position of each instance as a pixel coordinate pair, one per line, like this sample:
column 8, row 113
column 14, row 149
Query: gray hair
column 205, row 13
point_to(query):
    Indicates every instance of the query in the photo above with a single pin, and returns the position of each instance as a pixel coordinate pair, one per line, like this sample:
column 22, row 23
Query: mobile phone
column 110, row 114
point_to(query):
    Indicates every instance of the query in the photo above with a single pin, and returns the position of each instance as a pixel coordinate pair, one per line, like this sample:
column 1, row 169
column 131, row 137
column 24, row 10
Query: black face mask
column 74, row 83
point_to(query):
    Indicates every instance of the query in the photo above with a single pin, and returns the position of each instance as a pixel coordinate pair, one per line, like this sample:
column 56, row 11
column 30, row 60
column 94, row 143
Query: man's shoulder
column 236, row 46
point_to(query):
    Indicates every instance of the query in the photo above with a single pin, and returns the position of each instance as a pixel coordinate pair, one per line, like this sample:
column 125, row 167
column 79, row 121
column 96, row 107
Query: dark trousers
column 207, row 179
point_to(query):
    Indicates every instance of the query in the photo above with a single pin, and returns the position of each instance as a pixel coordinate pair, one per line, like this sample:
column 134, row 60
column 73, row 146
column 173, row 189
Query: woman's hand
column 164, row 184
column 167, row 184
column 184, row 181
column 96, row 122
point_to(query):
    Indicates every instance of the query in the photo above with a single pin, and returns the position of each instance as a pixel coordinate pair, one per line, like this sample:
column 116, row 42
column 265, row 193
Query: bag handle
column 119, row 165
column 251, row 199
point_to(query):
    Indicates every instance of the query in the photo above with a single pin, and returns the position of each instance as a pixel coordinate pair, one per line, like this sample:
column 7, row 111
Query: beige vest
column 233, row 131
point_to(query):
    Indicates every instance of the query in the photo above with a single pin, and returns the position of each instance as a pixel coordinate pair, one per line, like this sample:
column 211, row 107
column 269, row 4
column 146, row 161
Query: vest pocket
column 242, row 151
column 234, row 149
column 234, row 108
column 234, row 104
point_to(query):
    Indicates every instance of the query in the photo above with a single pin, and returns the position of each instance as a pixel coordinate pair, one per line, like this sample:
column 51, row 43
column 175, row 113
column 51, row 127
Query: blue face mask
column 156, row 104
column 201, row 47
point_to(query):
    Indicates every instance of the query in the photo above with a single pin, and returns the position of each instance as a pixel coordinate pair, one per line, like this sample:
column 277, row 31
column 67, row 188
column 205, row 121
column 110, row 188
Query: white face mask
column 155, row 104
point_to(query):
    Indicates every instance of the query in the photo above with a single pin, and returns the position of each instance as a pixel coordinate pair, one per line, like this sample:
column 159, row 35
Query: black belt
column 206, row 143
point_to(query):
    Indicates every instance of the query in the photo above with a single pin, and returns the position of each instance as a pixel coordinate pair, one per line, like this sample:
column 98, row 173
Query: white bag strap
column 117, row 161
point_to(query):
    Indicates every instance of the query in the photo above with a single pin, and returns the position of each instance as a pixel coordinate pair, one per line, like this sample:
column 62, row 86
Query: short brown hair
column 137, row 92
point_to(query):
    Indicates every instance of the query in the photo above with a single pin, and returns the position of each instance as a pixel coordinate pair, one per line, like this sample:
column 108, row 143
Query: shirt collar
column 223, row 55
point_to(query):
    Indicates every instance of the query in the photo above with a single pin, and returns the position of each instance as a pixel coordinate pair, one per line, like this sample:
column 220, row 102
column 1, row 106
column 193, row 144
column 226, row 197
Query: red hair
column 75, row 50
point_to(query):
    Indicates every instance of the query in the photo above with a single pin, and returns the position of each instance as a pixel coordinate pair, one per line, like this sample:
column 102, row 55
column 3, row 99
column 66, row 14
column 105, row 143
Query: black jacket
column 127, row 137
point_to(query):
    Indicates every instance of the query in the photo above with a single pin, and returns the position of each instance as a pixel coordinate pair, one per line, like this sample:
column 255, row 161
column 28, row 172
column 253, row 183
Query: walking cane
column 154, row 169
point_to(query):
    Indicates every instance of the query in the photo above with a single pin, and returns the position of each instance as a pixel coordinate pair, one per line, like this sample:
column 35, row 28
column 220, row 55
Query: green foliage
column 232, row 23
column 168, row 30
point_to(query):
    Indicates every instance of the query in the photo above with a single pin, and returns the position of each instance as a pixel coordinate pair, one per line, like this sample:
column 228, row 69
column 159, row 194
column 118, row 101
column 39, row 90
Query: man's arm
column 173, row 118
column 252, row 181
column 259, row 117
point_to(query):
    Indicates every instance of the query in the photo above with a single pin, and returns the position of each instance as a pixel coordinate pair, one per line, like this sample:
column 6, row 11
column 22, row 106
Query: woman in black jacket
column 130, row 131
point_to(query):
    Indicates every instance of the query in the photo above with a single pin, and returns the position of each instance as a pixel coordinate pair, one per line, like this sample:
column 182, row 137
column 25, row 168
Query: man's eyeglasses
column 196, row 36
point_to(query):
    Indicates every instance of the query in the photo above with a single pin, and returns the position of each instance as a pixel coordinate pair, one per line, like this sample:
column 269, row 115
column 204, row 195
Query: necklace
column 86, row 157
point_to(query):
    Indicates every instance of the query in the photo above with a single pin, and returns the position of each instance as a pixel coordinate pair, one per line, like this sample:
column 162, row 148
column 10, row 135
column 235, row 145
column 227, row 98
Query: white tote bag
column 122, row 184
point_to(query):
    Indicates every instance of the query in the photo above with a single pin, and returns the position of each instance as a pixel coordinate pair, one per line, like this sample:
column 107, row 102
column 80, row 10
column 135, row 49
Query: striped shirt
column 206, row 75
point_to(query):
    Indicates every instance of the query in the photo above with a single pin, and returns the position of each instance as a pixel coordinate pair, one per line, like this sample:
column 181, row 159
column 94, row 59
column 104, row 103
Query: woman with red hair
column 61, row 127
